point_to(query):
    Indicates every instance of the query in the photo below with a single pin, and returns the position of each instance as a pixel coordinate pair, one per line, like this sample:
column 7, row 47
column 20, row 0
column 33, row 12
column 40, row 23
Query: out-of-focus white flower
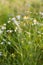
column 16, row 22
column 10, row 31
column 9, row 21
column 16, row 29
column 18, row 17
column 9, row 43
column 4, row 24
column 1, row 31
column 35, row 22
column 38, row 32
column 3, row 27
column 0, row 53
column 2, row 42
column 29, row 42
column 9, row 18
column 41, row 13
column 14, row 19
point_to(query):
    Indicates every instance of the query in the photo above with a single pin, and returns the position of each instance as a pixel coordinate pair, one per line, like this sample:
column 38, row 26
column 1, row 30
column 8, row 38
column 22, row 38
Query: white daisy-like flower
column 9, row 21
column 16, row 22
column 4, row 24
column 3, row 27
column 35, row 22
column 14, row 19
column 9, row 43
column 0, row 53
column 9, row 31
column 2, row 42
column 18, row 17
column 41, row 13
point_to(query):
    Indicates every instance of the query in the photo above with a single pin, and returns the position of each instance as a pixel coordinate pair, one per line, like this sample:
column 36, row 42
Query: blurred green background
column 13, row 7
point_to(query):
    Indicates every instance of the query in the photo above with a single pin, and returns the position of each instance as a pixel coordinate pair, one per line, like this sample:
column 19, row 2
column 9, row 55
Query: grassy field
column 21, row 32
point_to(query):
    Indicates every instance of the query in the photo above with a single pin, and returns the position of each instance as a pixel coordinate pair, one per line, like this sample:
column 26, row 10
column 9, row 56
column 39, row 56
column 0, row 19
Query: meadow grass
column 21, row 33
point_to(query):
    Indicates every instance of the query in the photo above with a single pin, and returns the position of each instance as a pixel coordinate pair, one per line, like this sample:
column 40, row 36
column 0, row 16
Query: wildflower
column 0, row 53
column 9, row 21
column 1, row 31
column 18, row 17
column 35, row 22
column 4, row 24
column 10, row 31
column 14, row 20
column 3, row 27
column 41, row 13
column 9, row 43
column 25, row 17
column 2, row 42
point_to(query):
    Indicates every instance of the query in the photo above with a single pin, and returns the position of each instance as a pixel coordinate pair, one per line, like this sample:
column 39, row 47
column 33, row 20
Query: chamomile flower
column 10, row 31
column 3, row 27
column 9, row 43
column 4, row 24
column 35, row 22
column 18, row 17
column 16, row 22
column 41, row 13
column 9, row 21
column 2, row 42
column 0, row 53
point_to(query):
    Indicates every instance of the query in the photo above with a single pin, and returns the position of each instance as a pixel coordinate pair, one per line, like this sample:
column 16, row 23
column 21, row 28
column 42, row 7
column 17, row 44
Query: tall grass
column 21, row 33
